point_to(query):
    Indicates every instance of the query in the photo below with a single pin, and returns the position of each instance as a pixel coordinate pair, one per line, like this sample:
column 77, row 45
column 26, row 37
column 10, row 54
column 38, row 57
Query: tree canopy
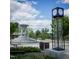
column 65, row 25
column 13, row 27
column 43, row 34
column 65, row 22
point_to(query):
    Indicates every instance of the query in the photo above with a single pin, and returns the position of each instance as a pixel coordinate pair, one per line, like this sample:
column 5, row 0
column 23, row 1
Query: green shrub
column 24, row 50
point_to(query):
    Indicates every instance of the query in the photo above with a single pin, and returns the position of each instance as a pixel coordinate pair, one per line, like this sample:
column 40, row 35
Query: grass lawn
column 32, row 56
column 28, row 53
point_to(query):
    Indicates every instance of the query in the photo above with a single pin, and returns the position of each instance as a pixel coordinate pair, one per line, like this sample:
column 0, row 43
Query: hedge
column 21, row 50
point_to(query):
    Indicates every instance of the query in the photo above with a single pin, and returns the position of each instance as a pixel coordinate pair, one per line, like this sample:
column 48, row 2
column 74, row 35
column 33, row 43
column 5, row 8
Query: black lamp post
column 57, row 13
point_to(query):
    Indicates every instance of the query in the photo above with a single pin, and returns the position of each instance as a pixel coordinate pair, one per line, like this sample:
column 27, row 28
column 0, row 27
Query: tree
column 37, row 34
column 45, row 34
column 31, row 33
column 13, row 27
column 65, row 22
column 65, row 25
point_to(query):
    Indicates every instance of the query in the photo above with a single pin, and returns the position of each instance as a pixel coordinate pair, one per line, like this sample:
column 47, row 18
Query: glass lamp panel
column 60, row 11
column 54, row 12
column 60, row 25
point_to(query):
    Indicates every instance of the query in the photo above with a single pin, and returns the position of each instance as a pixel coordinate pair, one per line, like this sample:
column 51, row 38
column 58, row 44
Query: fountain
column 23, row 40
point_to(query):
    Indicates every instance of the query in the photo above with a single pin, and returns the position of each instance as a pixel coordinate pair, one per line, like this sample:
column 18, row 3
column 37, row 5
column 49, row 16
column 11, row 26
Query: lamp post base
column 58, row 49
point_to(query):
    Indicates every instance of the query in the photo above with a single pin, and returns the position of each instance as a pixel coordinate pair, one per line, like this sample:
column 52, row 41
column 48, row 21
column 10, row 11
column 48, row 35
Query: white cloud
column 38, row 24
column 62, row 1
column 41, row 16
column 34, row 2
column 21, row 0
column 66, row 1
column 66, row 12
column 22, row 11
column 25, row 13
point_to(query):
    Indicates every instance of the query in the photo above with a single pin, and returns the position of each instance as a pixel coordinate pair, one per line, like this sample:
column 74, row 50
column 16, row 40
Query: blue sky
column 45, row 6
column 36, row 13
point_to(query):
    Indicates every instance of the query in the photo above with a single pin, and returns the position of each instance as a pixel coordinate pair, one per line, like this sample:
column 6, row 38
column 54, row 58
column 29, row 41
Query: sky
column 36, row 13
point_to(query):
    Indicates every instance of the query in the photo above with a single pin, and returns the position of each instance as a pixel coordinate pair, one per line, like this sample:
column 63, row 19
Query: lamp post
column 57, row 13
